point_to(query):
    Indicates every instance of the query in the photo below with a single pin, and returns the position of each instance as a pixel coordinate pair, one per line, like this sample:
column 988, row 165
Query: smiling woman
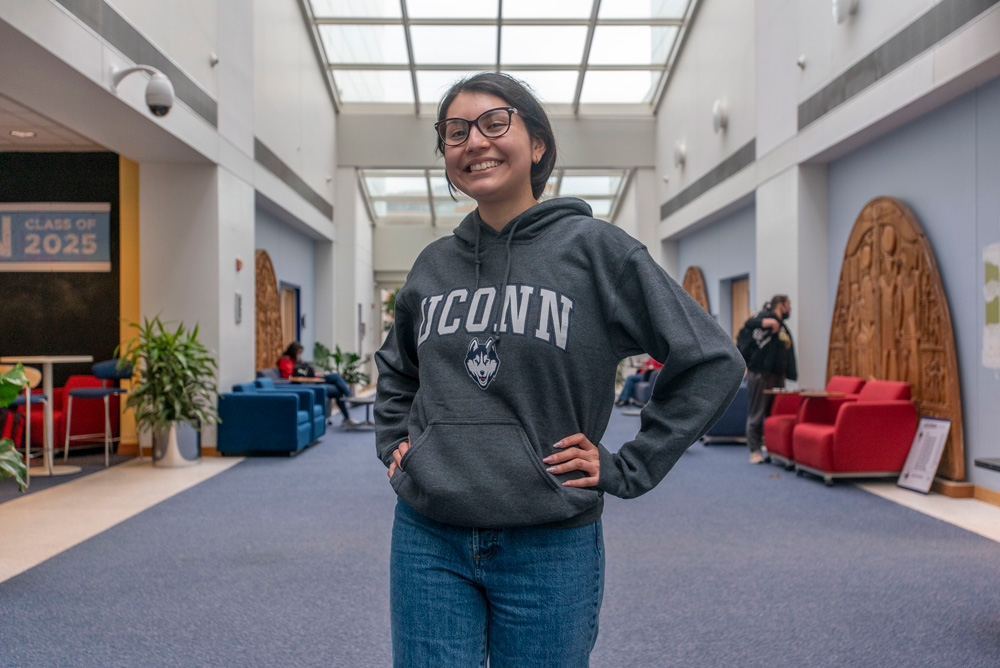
column 496, row 384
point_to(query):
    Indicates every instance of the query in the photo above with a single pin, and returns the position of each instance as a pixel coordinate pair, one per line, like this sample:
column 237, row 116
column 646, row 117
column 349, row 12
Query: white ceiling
column 49, row 135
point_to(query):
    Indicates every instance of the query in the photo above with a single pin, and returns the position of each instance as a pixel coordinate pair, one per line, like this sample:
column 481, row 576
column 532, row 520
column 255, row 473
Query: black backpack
column 747, row 343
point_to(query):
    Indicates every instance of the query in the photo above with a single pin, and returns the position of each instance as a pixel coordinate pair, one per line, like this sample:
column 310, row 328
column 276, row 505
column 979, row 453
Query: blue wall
column 724, row 250
column 293, row 256
column 946, row 167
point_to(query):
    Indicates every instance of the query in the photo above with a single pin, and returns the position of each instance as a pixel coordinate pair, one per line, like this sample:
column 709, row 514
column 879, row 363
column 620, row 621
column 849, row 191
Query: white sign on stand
column 925, row 454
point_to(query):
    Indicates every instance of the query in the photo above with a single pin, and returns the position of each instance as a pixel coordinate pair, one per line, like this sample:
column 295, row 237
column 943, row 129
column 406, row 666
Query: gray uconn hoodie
column 505, row 343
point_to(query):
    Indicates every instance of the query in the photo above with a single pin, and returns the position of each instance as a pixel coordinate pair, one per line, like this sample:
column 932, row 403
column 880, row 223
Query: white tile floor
column 970, row 514
column 39, row 526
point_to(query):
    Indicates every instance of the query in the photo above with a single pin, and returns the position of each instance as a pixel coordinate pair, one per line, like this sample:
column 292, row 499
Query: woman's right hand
column 397, row 457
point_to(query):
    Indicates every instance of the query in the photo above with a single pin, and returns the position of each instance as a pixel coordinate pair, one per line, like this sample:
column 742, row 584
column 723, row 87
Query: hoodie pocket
column 484, row 473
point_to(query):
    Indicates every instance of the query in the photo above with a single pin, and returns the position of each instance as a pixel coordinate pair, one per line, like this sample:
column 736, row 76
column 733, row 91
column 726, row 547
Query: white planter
column 178, row 446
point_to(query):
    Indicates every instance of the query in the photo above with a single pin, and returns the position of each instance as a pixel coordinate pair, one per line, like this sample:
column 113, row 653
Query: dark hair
column 517, row 94
column 775, row 300
column 292, row 350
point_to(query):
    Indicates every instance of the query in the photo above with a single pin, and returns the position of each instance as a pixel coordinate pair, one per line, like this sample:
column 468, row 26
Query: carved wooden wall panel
column 891, row 319
column 268, row 326
column 694, row 284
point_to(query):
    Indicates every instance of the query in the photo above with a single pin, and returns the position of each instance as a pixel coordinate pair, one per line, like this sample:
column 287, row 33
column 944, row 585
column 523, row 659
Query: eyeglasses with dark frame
column 492, row 123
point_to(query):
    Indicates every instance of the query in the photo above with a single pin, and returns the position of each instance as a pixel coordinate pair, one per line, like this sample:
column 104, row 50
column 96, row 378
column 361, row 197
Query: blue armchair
column 268, row 421
column 311, row 400
column 732, row 426
column 262, row 422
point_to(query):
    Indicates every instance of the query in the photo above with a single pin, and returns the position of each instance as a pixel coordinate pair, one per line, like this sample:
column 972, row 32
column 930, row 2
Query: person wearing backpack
column 767, row 347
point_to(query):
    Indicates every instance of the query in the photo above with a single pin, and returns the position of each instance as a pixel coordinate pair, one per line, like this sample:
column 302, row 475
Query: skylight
column 572, row 52
column 420, row 196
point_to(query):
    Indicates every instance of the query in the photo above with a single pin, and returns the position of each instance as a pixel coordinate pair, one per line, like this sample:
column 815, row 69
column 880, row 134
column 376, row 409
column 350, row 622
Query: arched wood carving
column 268, row 327
column 891, row 319
column 694, row 285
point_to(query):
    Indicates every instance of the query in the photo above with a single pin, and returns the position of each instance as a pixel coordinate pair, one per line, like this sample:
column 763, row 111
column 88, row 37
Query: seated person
column 291, row 364
column 645, row 370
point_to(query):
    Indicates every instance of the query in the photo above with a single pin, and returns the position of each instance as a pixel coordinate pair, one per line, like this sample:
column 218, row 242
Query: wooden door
column 741, row 304
column 289, row 314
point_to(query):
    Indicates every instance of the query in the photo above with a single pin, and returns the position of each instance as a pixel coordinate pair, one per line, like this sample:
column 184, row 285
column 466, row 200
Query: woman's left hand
column 584, row 457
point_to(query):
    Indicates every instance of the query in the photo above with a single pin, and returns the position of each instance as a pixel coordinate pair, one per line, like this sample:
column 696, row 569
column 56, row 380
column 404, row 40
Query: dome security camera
column 159, row 95
column 159, row 90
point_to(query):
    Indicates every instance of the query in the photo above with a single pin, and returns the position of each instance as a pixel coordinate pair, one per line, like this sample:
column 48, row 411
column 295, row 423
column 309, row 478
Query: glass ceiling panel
column 396, row 185
column 642, row 9
column 452, row 211
column 449, row 9
column 582, row 186
column 632, row 45
column 402, row 212
column 454, row 45
column 433, row 84
column 625, row 87
column 549, row 9
column 553, row 87
column 556, row 45
column 357, row 8
column 364, row 44
column 439, row 186
column 373, row 86
column 601, row 207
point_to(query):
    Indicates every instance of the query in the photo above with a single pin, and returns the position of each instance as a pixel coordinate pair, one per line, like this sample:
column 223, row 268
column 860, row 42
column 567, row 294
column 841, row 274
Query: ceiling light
column 22, row 134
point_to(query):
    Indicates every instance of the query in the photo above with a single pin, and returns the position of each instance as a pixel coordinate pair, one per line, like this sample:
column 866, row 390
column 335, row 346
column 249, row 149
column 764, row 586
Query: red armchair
column 88, row 414
column 867, row 437
column 786, row 414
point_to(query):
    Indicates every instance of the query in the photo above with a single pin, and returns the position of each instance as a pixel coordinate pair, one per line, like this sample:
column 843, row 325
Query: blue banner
column 55, row 236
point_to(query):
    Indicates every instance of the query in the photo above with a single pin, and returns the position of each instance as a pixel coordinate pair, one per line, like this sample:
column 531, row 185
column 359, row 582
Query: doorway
column 740, row 299
column 289, row 313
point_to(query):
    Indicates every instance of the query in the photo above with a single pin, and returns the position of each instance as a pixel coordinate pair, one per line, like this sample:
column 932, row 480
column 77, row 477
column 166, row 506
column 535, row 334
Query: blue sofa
column 732, row 426
column 279, row 420
column 319, row 409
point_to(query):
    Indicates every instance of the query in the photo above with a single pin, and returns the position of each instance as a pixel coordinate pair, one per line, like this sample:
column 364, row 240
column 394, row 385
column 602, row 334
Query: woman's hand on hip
column 397, row 457
column 583, row 456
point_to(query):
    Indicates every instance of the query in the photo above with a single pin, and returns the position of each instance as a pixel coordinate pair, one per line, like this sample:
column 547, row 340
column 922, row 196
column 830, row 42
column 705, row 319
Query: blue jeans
column 337, row 389
column 523, row 597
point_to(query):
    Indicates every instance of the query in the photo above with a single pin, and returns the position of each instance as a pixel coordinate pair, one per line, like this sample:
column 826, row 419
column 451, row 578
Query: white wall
column 186, row 29
column 716, row 63
column 293, row 114
column 293, row 255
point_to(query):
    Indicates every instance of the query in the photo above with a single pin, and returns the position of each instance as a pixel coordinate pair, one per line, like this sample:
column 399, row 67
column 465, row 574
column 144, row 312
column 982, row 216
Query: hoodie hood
column 526, row 226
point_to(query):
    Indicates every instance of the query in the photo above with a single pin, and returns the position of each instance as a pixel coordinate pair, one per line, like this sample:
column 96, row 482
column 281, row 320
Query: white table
column 47, row 361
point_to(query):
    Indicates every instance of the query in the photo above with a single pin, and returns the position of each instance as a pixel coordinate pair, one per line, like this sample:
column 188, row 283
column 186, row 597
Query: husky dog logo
column 482, row 362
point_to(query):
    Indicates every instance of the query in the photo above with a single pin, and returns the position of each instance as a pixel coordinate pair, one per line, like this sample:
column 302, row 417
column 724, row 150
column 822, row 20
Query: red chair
column 88, row 414
column 865, row 438
column 786, row 414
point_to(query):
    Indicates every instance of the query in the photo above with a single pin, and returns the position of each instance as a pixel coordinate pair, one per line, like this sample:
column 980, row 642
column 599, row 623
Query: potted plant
column 11, row 464
column 174, row 393
column 346, row 365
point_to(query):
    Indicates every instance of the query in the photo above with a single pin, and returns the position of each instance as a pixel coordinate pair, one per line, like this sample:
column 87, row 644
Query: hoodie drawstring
column 506, row 277
column 478, row 261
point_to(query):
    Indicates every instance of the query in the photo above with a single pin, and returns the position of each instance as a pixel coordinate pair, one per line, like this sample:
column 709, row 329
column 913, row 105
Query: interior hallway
column 284, row 562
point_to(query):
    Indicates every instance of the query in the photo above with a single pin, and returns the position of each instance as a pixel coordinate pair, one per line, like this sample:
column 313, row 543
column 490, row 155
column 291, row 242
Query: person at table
column 645, row 371
column 290, row 365
column 770, row 365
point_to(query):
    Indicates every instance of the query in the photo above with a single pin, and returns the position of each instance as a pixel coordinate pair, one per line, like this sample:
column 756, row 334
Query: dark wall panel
column 61, row 313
